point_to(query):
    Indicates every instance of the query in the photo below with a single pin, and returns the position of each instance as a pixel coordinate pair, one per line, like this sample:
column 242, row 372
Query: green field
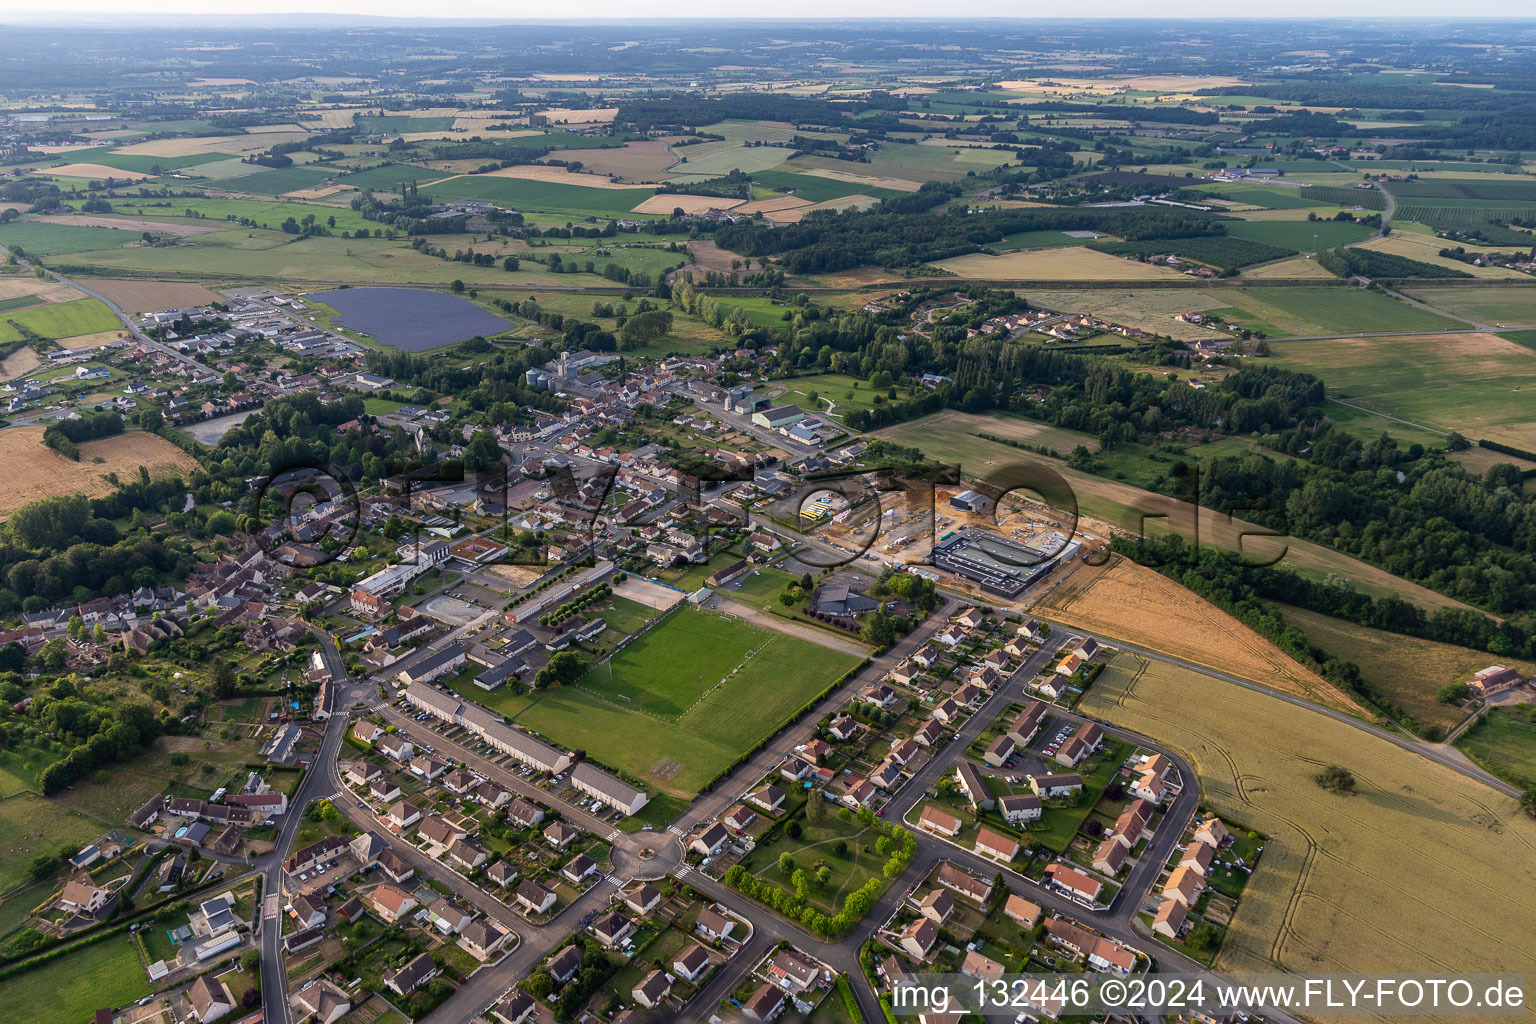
column 29, row 826
column 389, row 177
column 59, row 320
column 68, row 990
column 1502, row 306
column 681, row 703
column 1407, row 670
column 276, row 181
column 1269, row 197
column 845, row 392
column 1036, row 240
column 1302, row 235
column 265, row 212
column 1479, row 384
column 1504, row 742
column 820, row 190
column 253, row 254
column 1333, row 310
column 148, row 164
column 48, row 239
column 546, row 196
column 402, row 123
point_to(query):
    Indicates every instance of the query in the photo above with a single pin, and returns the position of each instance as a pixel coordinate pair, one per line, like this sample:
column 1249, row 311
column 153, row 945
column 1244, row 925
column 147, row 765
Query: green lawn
column 68, row 990
column 845, row 392
column 39, row 239
column 59, row 320
column 701, row 688
column 758, row 587
column 31, row 825
column 817, row 847
column 1504, row 742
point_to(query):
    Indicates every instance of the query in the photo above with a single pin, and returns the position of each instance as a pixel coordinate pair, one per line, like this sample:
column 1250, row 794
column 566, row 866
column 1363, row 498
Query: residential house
column 714, row 925
column 1169, row 919
column 564, row 964
column 652, row 989
column 1109, row 858
column 964, row 883
column 320, row 1000
column 1213, row 833
column 764, row 1005
column 691, row 964
column 416, row 973
column 1021, row 911
column 612, row 929
column 937, row 906
column 996, row 845
column 391, row 904
column 534, row 898
column 1054, row 786
column 210, row 998
column 935, row 820
column 918, row 938
column 1074, row 882
column 1184, row 885
column 1019, row 809
column 974, row 786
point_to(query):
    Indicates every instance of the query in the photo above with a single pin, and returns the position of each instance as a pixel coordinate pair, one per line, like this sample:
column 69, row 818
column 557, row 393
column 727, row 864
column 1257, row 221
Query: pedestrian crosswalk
column 614, row 836
column 677, row 830
column 683, row 869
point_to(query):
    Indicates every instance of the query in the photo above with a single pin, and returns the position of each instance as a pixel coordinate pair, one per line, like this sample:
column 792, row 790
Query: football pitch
column 681, row 703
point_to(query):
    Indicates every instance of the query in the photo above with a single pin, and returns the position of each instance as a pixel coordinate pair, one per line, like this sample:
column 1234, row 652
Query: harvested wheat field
column 1347, row 883
column 235, row 145
column 32, row 470
column 97, row 340
column 666, row 202
column 45, row 291
column 558, row 175
column 314, row 193
column 158, row 227
column 636, row 161
column 1073, row 264
column 23, row 360
column 873, row 180
column 565, row 115
column 793, row 215
column 766, row 206
column 95, row 171
column 1426, row 249
column 1130, row 602
column 709, row 256
column 331, row 118
column 1290, row 270
column 149, row 296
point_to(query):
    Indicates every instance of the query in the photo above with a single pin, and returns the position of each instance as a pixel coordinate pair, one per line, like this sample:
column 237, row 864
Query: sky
column 522, row 10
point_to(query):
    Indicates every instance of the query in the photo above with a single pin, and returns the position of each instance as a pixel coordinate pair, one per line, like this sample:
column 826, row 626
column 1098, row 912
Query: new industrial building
column 998, row 565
